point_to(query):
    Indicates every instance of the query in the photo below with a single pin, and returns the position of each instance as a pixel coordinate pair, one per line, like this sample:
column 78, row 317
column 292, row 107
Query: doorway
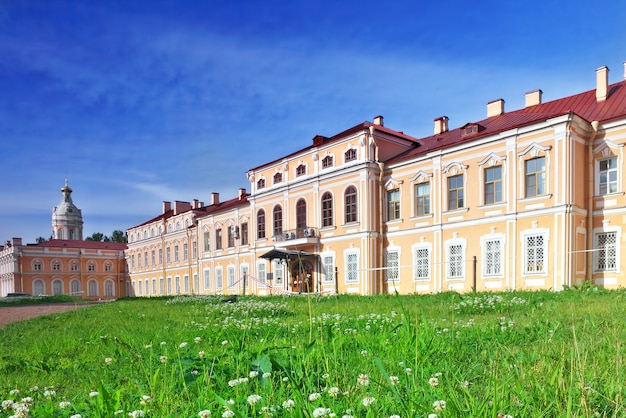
column 302, row 276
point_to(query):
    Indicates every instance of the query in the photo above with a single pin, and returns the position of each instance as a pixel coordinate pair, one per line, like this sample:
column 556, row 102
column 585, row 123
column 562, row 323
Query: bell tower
column 67, row 219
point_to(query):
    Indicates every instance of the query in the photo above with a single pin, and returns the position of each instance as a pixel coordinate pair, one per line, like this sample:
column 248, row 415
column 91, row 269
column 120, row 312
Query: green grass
column 37, row 300
column 538, row 354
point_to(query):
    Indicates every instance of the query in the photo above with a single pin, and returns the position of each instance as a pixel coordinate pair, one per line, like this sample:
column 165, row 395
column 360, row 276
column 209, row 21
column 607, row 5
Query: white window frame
column 529, row 258
column 219, row 278
column 39, row 283
column 109, row 288
column 599, row 251
column 261, row 271
column 607, row 184
column 186, row 283
column 279, row 272
column 328, row 268
column 392, row 267
column 207, row 279
column 244, row 270
column 230, row 273
column 421, row 263
column 352, row 266
column 496, row 258
column 456, row 263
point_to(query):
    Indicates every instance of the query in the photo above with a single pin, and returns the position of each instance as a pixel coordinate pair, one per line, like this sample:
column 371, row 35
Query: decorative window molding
column 421, row 261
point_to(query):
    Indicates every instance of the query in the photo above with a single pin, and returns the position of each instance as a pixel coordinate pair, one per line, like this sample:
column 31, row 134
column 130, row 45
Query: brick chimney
column 242, row 193
column 495, row 108
column 180, row 207
column 441, row 125
column 167, row 206
column 533, row 98
column 602, row 83
column 215, row 198
column 379, row 120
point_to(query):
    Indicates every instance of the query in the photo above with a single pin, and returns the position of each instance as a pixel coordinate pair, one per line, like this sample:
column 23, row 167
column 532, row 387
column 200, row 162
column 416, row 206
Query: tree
column 118, row 236
column 39, row 240
column 96, row 236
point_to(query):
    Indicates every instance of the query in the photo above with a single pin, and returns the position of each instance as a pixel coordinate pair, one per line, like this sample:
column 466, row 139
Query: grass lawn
column 516, row 354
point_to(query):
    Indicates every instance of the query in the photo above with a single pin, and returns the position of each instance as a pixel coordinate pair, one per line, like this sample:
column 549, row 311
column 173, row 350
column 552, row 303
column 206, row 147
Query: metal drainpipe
column 594, row 126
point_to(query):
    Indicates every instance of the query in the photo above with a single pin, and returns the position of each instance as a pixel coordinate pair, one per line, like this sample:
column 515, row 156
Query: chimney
column 180, row 207
column 167, row 206
column 495, row 108
column 215, row 198
column 441, row 125
column 195, row 204
column 602, row 83
column 242, row 194
column 533, row 98
column 378, row 120
column 624, row 70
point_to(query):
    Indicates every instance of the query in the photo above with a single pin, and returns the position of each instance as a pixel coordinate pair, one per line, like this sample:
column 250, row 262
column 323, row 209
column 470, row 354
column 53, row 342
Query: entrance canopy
column 286, row 254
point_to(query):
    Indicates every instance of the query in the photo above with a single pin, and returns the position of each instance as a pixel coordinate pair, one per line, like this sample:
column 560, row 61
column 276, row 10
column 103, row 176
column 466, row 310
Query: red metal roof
column 89, row 245
column 583, row 104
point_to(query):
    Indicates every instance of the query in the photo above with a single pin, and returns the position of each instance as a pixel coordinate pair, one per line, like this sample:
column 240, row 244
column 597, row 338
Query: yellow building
column 527, row 199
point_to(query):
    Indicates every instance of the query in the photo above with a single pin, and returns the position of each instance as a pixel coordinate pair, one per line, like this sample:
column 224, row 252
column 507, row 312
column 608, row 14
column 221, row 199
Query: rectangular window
column 161, row 287
column 176, row 253
column 608, row 176
column 492, row 257
column 606, row 252
column 207, row 242
column 219, row 279
column 421, row 263
column 218, row 239
column 393, row 204
column 74, row 267
column 535, row 176
column 535, row 250
column 196, row 283
column 185, row 251
column 138, row 261
column 392, row 272
column 108, row 267
column 154, row 288
column 245, row 276
column 92, row 267
column 455, row 262
column 352, row 268
column 261, row 275
column 177, row 284
column 422, row 199
column 160, row 256
column 493, row 185
column 231, row 277
column 244, row 233
column 56, row 266
column 37, row 266
column 169, row 285
column 153, row 257
column 230, row 237
column 168, row 257
column 328, row 268
column 186, row 283
column 194, row 250
column 207, row 279
column 455, row 192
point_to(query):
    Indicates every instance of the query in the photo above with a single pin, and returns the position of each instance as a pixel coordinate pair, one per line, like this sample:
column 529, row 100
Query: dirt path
column 9, row 314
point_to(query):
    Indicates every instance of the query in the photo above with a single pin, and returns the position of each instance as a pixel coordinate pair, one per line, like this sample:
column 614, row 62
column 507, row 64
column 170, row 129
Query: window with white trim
column 196, row 283
column 219, row 278
column 245, row 273
column 109, row 288
column 207, row 279
column 278, row 273
column 535, row 176
column 607, row 176
column 422, row 199
column 261, row 273
column 352, row 267
column 169, row 285
column 177, row 284
column 456, row 266
column 493, row 257
column 493, row 185
column 231, row 276
column 39, row 287
column 535, row 252
column 186, row 283
column 393, row 204
column 350, row 155
column 605, row 255
column 456, row 192
column 421, row 263
column 392, row 264
column 328, row 268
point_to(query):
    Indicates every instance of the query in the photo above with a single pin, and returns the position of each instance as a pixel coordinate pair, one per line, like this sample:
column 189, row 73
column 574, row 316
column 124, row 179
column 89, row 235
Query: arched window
column 260, row 184
column 260, row 224
column 75, row 289
column 300, row 170
column 39, row 287
column 301, row 215
column 278, row 220
column 327, row 161
column 57, row 287
column 92, row 288
column 109, row 288
column 350, row 155
column 327, row 209
column 278, row 178
column 351, row 208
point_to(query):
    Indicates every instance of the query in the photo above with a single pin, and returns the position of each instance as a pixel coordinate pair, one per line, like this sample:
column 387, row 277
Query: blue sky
column 137, row 102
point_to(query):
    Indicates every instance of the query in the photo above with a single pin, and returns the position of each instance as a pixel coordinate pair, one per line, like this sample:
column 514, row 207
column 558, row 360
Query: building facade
column 527, row 199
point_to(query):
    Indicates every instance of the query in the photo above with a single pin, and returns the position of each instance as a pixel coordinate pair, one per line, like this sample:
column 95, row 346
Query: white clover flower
column 14, row 392
column 7, row 404
column 49, row 393
column 333, row 391
column 149, row 346
column 195, row 372
column 325, row 376
column 465, row 384
column 364, row 353
column 93, row 394
column 408, row 371
column 394, row 416
column 145, row 399
column 197, row 340
column 228, row 414
column 163, row 359
column 394, row 380
column 201, row 354
column 432, row 415
column 285, row 379
column 321, row 412
column 439, row 405
column 34, row 389
column 266, row 375
column 314, row 396
column 28, row 401
column 182, row 345
column 253, row 374
column 289, row 404
column 368, row 400
column 163, row 342
column 433, row 381
column 118, row 412
column 76, row 416
column 224, row 342
column 254, row 399
column 231, row 401
column 204, row 413
column 108, row 360
column 64, row 404
column 363, row 380
column 137, row 414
